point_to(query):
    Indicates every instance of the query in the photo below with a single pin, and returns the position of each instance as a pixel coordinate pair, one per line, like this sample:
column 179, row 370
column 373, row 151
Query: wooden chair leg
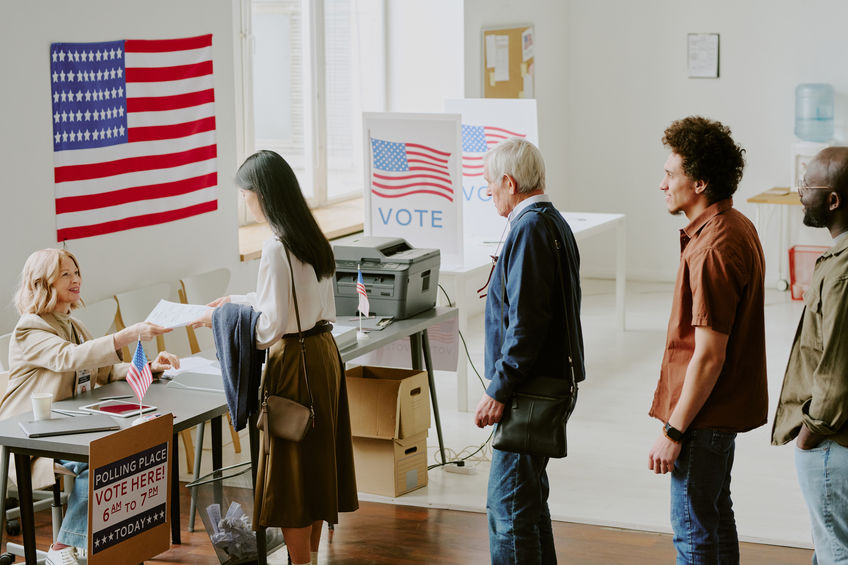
column 188, row 445
column 234, row 433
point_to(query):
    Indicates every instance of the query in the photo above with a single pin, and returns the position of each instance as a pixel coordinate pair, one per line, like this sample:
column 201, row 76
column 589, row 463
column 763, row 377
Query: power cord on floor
column 459, row 458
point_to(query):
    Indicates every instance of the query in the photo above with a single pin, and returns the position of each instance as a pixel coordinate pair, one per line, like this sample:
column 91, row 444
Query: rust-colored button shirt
column 719, row 286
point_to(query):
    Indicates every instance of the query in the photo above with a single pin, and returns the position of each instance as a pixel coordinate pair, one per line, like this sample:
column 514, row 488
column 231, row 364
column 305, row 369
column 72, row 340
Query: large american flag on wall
column 133, row 133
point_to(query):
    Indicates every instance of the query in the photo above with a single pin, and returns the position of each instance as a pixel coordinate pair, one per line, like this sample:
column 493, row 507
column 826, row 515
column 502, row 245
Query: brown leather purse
column 283, row 417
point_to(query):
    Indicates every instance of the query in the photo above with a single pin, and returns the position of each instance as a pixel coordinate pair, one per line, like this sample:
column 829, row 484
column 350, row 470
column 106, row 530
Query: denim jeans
column 517, row 506
column 823, row 476
column 74, row 530
column 701, row 509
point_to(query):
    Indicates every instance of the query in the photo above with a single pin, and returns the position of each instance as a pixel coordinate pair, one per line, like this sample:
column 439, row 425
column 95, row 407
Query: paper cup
column 41, row 404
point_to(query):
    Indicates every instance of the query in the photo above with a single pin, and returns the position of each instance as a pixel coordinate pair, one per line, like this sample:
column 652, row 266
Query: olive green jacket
column 815, row 387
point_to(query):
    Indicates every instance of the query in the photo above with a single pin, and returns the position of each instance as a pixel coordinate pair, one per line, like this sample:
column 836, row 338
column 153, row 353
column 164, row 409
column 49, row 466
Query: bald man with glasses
column 813, row 407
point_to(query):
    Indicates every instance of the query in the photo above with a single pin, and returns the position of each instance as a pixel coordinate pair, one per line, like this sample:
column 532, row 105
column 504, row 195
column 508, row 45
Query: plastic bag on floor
column 232, row 534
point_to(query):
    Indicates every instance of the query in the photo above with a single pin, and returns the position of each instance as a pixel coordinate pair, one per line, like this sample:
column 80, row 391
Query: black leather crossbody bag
column 536, row 414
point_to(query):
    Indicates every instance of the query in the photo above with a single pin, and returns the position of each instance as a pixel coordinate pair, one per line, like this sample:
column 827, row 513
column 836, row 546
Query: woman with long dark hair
column 299, row 485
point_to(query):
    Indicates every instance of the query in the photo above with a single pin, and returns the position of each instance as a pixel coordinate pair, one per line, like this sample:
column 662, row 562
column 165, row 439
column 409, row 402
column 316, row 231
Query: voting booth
column 412, row 180
column 485, row 123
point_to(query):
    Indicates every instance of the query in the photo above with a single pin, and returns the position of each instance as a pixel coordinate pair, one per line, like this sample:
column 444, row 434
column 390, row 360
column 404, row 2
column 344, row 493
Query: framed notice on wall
column 508, row 62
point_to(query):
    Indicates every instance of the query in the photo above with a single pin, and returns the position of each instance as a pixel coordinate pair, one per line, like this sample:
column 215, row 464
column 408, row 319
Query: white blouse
column 274, row 301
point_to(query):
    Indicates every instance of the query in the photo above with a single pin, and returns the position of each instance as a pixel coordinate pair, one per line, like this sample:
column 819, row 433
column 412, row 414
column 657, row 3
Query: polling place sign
column 128, row 493
column 413, row 186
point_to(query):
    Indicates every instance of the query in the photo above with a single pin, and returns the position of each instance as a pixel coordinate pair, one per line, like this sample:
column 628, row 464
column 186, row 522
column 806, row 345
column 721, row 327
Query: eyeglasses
column 802, row 188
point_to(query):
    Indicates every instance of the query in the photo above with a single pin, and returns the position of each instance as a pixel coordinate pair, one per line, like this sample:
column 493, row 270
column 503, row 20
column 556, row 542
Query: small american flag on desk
column 139, row 376
column 364, row 307
column 134, row 139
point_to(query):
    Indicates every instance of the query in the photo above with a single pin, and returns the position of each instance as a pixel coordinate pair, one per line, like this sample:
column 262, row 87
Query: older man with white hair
column 531, row 326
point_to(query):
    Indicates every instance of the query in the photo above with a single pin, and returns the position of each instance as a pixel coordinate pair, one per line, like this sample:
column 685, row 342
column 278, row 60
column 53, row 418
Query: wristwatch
column 672, row 433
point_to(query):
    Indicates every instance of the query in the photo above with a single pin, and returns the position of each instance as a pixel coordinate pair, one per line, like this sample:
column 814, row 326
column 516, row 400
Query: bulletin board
column 508, row 62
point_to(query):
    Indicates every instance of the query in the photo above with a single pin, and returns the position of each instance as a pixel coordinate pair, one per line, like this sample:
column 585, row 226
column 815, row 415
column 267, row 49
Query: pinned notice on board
column 527, row 48
column 490, row 51
column 501, row 58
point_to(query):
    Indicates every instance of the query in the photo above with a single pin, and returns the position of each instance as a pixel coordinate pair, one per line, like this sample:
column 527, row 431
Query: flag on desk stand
column 139, row 376
column 363, row 308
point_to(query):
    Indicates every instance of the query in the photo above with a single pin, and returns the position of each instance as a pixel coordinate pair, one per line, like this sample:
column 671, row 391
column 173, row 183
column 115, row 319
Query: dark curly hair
column 709, row 154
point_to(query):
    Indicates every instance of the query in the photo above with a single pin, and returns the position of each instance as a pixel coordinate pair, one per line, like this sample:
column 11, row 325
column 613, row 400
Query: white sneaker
column 64, row 556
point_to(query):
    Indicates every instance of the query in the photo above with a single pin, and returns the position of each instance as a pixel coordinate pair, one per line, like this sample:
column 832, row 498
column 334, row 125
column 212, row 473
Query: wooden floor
column 389, row 534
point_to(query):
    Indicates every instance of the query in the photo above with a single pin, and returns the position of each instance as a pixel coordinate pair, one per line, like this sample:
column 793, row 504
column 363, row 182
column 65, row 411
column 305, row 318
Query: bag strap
column 301, row 340
column 558, row 251
column 557, row 246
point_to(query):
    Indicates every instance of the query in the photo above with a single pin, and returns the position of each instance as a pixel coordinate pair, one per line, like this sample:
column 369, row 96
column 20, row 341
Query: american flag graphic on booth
column 139, row 376
column 476, row 140
column 401, row 169
column 133, row 133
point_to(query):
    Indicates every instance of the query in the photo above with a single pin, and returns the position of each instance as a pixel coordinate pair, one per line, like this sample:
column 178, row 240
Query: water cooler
column 813, row 126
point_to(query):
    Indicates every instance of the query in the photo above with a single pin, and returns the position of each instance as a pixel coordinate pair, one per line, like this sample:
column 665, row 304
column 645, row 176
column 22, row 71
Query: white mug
column 41, row 404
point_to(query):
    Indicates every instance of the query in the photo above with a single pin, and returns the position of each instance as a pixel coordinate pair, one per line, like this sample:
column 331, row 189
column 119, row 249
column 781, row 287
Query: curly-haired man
column 712, row 382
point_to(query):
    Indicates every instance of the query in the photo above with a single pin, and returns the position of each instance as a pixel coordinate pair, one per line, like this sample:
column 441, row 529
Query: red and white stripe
column 168, row 168
column 139, row 381
column 428, row 174
column 472, row 163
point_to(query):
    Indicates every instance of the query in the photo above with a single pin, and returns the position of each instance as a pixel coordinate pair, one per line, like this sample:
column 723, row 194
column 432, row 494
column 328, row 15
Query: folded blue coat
column 233, row 329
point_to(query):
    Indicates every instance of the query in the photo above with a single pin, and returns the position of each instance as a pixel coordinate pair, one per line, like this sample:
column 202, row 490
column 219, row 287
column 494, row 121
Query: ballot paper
column 175, row 315
column 195, row 364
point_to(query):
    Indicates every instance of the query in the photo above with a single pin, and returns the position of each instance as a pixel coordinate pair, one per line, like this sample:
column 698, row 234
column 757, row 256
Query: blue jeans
column 517, row 506
column 701, row 509
column 74, row 530
column 823, row 476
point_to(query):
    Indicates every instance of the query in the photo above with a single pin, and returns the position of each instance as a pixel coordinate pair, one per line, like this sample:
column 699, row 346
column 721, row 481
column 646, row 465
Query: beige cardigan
column 43, row 357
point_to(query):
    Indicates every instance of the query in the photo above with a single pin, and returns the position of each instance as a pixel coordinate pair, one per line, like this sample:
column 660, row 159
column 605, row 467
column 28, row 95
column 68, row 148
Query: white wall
column 611, row 76
column 424, row 54
column 125, row 260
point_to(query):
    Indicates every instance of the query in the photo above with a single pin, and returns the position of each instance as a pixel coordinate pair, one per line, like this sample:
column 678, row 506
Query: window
column 311, row 69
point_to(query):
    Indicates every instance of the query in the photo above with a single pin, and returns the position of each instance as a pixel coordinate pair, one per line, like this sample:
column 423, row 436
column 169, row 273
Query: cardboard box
column 390, row 467
column 388, row 403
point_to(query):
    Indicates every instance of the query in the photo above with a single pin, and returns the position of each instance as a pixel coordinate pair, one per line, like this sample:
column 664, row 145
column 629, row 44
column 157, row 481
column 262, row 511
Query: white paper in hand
column 175, row 315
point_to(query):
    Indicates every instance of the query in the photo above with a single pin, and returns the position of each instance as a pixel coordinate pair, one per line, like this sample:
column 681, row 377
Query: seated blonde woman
column 53, row 352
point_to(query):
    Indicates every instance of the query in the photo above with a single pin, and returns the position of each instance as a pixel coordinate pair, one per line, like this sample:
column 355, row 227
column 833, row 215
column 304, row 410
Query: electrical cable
column 458, row 458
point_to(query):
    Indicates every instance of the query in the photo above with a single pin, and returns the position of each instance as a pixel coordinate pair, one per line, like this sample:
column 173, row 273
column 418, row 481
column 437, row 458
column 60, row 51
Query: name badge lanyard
column 82, row 379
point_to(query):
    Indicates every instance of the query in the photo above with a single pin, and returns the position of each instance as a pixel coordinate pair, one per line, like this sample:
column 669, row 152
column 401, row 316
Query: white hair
column 519, row 159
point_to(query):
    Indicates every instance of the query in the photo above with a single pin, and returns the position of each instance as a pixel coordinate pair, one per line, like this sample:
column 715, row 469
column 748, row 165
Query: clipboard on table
column 66, row 426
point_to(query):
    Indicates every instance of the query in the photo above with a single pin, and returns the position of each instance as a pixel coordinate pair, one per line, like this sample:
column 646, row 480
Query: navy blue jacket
column 233, row 329
column 526, row 323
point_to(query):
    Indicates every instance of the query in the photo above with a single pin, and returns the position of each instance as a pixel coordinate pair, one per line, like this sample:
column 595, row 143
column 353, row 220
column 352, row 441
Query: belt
column 323, row 326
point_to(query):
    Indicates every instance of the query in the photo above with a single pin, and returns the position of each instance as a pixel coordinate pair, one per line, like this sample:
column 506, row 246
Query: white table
column 462, row 281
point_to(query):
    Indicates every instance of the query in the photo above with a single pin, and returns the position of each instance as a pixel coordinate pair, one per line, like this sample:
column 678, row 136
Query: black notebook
column 73, row 425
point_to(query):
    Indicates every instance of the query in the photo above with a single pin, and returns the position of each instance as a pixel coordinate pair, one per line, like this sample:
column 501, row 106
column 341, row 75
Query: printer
column 400, row 281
